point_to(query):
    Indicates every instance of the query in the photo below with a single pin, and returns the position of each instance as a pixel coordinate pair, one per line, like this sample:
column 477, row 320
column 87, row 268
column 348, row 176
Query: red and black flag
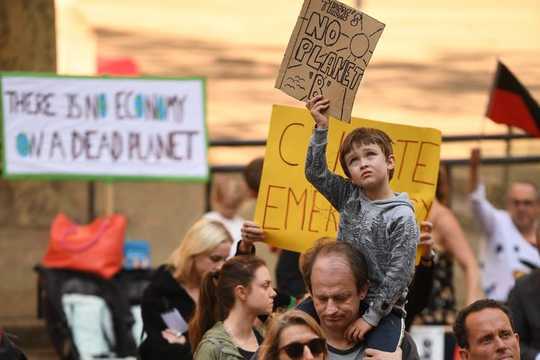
column 511, row 104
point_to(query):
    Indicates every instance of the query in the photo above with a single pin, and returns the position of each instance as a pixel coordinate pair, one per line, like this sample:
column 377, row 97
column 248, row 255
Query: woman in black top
column 175, row 286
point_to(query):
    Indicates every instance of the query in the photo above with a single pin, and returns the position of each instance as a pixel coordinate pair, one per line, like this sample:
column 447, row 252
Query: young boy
column 373, row 218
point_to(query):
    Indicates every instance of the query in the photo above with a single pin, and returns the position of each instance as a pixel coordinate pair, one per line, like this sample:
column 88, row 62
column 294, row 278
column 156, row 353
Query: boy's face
column 368, row 166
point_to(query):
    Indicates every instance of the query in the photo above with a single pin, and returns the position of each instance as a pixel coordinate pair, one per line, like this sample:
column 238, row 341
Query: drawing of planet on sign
column 328, row 53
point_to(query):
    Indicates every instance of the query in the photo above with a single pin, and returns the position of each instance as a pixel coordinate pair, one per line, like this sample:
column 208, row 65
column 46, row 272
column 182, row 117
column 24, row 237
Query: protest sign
column 328, row 53
column 293, row 214
column 94, row 128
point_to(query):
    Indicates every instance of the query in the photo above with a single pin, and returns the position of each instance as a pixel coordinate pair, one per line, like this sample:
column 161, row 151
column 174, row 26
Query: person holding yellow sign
column 373, row 218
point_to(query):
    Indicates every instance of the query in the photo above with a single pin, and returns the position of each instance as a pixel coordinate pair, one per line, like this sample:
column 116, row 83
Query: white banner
column 72, row 127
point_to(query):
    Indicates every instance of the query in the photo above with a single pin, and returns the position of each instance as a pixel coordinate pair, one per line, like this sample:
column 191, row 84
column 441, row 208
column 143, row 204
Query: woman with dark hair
column 229, row 302
column 294, row 335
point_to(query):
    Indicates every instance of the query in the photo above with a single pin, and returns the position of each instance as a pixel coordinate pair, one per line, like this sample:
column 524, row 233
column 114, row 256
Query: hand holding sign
column 318, row 107
column 328, row 52
column 291, row 214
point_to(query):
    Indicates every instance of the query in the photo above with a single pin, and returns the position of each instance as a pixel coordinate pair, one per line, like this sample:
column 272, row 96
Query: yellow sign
column 293, row 214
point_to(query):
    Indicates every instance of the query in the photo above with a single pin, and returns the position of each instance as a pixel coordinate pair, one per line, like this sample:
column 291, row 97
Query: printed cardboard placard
column 289, row 209
column 94, row 128
column 328, row 53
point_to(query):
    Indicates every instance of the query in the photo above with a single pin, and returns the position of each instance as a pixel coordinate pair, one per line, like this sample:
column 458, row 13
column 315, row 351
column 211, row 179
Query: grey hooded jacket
column 384, row 230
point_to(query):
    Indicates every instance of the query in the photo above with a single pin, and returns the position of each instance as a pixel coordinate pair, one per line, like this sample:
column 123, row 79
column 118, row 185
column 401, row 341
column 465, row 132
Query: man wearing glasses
column 509, row 250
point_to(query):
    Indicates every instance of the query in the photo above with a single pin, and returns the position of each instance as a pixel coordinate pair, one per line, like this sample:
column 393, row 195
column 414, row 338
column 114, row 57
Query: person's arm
column 245, row 246
column 403, row 237
column 333, row 187
column 251, row 233
column 521, row 323
column 454, row 241
column 407, row 351
column 482, row 208
column 374, row 354
column 158, row 344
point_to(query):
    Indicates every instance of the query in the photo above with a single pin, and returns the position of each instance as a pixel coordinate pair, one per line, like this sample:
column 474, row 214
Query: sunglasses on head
column 295, row 350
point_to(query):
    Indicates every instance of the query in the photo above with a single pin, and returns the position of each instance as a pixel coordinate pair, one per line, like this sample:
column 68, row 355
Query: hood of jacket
column 399, row 199
column 220, row 340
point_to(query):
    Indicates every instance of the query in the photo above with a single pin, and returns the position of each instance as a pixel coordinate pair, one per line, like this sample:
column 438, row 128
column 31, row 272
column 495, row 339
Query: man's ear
column 464, row 354
column 363, row 290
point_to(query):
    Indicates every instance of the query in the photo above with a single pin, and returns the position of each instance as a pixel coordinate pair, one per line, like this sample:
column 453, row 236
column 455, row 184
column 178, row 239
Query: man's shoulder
column 308, row 307
column 529, row 282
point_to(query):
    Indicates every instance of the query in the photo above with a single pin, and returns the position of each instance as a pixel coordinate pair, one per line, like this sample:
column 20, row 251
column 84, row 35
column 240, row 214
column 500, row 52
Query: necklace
column 245, row 344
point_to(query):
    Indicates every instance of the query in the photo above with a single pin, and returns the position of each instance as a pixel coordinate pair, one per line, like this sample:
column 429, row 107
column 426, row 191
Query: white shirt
column 505, row 251
column 234, row 226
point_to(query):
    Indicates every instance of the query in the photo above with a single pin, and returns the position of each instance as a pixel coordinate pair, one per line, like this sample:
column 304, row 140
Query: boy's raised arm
column 333, row 187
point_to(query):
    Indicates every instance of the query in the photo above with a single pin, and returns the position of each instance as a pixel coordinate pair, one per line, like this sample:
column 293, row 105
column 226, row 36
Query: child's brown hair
column 365, row 136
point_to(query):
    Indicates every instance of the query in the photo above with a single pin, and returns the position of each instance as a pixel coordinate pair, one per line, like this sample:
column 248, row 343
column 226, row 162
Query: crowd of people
column 355, row 298
column 356, row 295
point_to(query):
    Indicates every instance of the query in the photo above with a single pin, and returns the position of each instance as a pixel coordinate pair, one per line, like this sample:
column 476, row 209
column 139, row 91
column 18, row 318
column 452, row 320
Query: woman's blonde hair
column 269, row 349
column 204, row 236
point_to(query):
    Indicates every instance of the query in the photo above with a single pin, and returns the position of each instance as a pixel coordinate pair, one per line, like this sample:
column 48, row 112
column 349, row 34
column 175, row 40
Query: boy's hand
column 357, row 330
column 251, row 232
column 381, row 355
column 318, row 107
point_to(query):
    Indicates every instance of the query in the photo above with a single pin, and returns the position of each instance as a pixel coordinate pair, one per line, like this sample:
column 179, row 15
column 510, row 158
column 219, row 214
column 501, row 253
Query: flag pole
column 508, row 154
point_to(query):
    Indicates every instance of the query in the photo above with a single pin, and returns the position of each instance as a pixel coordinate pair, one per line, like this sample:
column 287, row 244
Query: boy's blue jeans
column 386, row 336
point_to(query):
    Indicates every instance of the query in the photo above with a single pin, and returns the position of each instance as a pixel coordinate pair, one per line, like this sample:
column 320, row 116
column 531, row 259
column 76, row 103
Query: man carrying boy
column 373, row 218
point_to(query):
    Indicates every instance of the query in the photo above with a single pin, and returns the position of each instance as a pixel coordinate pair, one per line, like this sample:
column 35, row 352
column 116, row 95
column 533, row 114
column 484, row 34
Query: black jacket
column 162, row 295
column 419, row 293
column 524, row 304
column 8, row 350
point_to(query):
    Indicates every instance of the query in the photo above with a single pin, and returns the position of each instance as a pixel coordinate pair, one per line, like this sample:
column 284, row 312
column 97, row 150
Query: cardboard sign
column 95, row 128
column 328, row 53
column 293, row 214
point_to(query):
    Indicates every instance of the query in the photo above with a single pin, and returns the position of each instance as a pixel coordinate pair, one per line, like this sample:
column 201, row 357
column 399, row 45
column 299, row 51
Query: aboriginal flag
column 510, row 103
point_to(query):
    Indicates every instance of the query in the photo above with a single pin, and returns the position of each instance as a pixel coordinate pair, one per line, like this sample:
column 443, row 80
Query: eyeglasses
column 295, row 350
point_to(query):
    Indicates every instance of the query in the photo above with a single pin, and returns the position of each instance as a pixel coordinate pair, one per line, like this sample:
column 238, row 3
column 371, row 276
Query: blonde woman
column 294, row 335
column 174, row 288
